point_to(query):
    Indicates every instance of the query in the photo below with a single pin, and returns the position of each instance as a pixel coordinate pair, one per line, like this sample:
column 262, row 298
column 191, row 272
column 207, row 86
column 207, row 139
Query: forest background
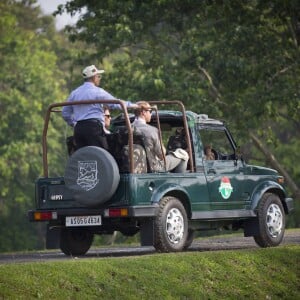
column 233, row 60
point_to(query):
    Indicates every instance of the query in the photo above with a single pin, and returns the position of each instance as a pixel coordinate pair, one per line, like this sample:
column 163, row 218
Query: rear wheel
column 75, row 241
column 170, row 226
column 271, row 221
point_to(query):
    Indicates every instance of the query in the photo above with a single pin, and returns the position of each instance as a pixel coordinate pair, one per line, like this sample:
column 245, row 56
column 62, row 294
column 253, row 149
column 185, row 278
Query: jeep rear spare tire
column 92, row 176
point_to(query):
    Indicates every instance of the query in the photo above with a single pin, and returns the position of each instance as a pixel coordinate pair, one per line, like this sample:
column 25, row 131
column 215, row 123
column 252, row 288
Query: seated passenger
column 107, row 119
column 209, row 155
column 176, row 160
column 177, row 140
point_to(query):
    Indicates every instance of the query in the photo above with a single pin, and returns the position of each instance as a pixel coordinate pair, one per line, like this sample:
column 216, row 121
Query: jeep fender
column 175, row 190
column 264, row 187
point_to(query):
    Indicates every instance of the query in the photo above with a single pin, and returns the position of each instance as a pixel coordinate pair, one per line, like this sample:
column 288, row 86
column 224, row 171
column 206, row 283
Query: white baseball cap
column 91, row 71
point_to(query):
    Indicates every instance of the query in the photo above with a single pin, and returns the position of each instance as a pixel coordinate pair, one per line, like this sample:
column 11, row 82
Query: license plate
column 83, row 221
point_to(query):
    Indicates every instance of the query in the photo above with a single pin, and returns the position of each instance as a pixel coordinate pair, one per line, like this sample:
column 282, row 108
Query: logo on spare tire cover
column 87, row 174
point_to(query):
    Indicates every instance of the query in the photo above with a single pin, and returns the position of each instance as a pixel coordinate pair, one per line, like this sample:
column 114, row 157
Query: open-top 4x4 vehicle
column 116, row 190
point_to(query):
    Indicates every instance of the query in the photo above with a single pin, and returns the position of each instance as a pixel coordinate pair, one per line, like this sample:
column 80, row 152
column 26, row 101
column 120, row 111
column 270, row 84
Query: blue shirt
column 88, row 91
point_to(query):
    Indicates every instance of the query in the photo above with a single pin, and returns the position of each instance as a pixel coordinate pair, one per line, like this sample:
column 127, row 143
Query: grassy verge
column 272, row 273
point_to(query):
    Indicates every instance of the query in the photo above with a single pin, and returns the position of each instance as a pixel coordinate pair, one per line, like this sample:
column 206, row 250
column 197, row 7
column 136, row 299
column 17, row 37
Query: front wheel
column 75, row 241
column 271, row 221
column 170, row 226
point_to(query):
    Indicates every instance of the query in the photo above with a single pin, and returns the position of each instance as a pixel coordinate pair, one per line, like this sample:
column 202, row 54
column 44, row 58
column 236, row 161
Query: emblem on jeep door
column 225, row 187
column 87, row 175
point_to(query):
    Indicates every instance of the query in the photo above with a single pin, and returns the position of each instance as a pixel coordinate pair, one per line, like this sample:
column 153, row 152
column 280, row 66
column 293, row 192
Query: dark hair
column 105, row 107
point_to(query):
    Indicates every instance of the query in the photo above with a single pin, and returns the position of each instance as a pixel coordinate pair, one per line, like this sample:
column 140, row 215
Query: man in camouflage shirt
column 175, row 161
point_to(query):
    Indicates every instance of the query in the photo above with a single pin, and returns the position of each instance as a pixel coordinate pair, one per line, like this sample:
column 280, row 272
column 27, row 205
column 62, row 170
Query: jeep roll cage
column 54, row 108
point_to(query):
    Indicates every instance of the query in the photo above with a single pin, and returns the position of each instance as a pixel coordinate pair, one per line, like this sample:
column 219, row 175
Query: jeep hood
column 258, row 170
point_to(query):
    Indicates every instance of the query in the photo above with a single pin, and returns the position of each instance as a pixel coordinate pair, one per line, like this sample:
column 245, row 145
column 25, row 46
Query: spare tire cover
column 92, row 175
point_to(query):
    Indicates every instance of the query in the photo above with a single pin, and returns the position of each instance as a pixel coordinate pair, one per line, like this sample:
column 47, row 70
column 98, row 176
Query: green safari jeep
column 103, row 191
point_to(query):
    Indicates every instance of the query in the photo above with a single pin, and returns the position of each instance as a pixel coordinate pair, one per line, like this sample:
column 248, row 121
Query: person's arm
column 107, row 96
column 128, row 104
column 67, row 114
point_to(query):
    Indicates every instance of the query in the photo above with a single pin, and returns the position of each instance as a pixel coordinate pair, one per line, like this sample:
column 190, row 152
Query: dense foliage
column 228, row 56
column 235, row 60
column 30, row 80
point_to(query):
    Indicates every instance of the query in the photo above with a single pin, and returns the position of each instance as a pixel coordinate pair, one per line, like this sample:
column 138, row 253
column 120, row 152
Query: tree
column 201, row 51
column 30, row 81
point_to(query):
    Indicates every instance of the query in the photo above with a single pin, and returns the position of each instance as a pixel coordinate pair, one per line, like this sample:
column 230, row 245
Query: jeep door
column 224, row 173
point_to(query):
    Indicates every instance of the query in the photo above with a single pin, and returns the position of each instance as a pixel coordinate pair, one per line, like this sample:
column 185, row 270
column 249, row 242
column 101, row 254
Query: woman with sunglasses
column 107, row 119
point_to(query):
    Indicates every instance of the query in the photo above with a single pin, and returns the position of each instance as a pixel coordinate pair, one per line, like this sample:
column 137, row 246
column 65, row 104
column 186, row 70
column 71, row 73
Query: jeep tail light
column 45, row 216
column 116, row 212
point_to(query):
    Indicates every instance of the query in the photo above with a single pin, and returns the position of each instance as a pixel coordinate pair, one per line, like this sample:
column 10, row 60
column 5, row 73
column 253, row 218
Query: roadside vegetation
column 272, row 273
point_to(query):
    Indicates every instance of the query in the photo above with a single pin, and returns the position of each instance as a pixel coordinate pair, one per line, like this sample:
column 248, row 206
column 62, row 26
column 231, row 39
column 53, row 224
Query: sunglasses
column 150, row 110
column 108, row 116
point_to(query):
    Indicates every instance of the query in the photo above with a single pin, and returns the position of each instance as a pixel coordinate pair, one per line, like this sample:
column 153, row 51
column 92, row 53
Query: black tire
column 75, row 241
column 92, row 176
column 271, row 221
column 129, row 231
column 170, row 226
column 189, row 239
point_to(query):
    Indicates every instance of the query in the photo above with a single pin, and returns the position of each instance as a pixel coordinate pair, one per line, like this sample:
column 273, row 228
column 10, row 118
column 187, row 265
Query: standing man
column 176, row 160
column 89, row 120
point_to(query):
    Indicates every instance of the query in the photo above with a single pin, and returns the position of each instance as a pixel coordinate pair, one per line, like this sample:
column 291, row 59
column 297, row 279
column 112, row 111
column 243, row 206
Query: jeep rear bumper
column 138, row 211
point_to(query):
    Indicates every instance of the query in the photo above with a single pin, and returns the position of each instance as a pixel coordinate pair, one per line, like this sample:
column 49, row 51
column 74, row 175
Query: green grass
column 272, row 273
